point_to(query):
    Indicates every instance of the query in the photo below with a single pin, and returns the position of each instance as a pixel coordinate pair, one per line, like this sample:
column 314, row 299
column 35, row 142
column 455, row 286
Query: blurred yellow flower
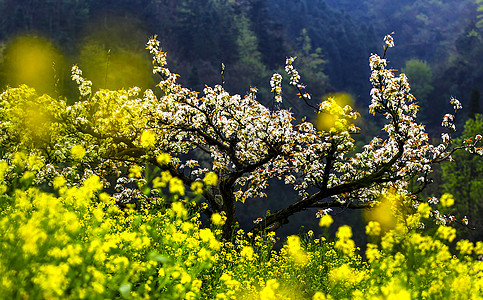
column 78, row 152
column 148, row 139
column 176, row 186
column 447, row 233
column 197, row 187
column 326, row 221
column 135, row 171
column 447, row 200
column 210, row 178
column 373, row 228
column 344, row 242
column 217, row 219
column 247, row 253
column 465, row 247
column 424, row 209
column 269, row 291
column 344, row 232
column 295, row 249
column 163, row 158
column 319, row 296
column 58, row 182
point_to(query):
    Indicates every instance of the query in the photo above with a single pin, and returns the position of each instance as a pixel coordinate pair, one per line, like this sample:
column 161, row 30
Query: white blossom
column 389, row 40
column 276, row 84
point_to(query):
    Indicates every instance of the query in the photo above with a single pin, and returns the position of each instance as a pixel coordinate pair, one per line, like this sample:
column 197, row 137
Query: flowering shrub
column 77, row 243
column 63, row 236
column 114, row 133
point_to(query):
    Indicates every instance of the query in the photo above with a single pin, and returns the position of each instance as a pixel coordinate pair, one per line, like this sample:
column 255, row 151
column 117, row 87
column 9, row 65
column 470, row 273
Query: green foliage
column 342, row 42
column 464, row 180
column 480, row 10
column 421, row 78
column 110, row 61
column 249, row 68
column 426, row 28
column 311, row 64
column 474, row 106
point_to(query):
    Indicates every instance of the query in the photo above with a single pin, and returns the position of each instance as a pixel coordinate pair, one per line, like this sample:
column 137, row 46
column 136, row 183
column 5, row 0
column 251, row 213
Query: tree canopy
column 133, row 138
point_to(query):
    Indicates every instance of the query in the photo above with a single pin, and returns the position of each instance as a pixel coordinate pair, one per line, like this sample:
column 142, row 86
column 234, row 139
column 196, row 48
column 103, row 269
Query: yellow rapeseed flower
column 34, row 162
column 59, row 182
column 479, row 248
column 344, row 232
column 77, row 152
column 344, row 241
column 3, row 169
column 295, row 249
column 326, row 221
column 107, row 199
column 372, row 252
column 210, row 178
column 19, row 159
column 32, row 234
column 93, row 183
column 217, row 219
column 163, row 180
column 52, row 280
column 163, row 158
column 395, row 291
column 447, row 200
column 196, row 285
column 197, row 187
column 320, row 296
column 447, row 233
column 176, row 186
column 135, row 171
column 465, row 247
column 373, row 228
column 28, row 176
column 424, row 209
column 179, row 210
column 148, row 139
column 269, row 291
column 225, row 277
column 247, row 253
column 207, row 236
column 388, row 240
column 185, row 278
column 344, row 273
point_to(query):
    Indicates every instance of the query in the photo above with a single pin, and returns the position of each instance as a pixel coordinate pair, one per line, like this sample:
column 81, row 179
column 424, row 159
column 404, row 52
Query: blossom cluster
column 276, row 84
column 84, row 85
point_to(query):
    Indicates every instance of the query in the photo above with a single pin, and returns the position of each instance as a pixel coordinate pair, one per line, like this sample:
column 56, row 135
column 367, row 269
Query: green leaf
column 125, row 290
column 146, row 190
column 158, row 257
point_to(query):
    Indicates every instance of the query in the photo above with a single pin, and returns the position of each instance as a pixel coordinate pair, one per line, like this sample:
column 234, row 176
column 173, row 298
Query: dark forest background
column 439, row 45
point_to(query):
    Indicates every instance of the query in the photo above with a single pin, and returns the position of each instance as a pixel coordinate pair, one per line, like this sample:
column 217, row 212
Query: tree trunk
column 226, row 191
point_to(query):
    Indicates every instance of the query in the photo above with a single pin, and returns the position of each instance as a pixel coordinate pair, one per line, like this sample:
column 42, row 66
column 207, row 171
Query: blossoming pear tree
column 122, row 134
